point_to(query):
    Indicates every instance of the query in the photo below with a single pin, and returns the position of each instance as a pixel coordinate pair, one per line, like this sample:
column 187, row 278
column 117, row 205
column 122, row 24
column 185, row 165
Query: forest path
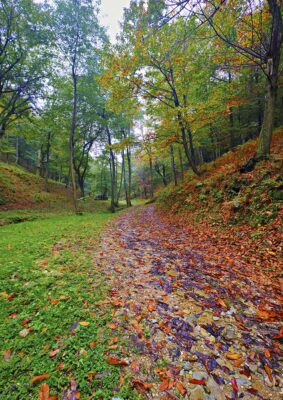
column 186, row 326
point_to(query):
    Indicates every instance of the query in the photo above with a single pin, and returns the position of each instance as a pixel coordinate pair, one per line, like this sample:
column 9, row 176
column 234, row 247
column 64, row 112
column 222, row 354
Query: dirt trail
column 187, row 327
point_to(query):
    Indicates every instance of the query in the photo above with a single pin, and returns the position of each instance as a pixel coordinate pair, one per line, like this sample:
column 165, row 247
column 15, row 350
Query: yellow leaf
column 84, row 323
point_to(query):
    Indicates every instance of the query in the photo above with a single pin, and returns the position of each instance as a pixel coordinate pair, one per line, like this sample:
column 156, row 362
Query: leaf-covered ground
column 193, row 317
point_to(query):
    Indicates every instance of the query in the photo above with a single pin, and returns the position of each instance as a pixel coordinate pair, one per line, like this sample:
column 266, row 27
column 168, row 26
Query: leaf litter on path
column 190, row 321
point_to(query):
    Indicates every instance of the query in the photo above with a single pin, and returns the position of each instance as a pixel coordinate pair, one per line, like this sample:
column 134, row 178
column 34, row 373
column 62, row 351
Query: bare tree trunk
column 129, row 202
column 71, row 139
column 272, row 72
column 48, row 145
column 151, row 177
column 112, row 172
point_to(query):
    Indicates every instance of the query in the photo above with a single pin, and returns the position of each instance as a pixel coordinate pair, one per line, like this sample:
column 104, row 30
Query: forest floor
column 192, row 318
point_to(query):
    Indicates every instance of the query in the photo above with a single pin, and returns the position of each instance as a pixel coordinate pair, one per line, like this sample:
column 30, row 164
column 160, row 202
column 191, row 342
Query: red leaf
column 26, row 321
column 235, row 385
column 116, row 361
column 197, row 381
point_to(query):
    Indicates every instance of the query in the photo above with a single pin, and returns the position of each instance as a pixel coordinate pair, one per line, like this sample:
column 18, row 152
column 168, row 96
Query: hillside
column 20, row 189
column 225, row 196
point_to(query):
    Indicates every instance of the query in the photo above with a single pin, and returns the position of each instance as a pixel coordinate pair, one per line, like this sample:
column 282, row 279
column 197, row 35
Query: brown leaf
column 142, row 387
column 26, row 321
column 92, row 345
column 112, row 326
column 151, row 307
column 135, row 366
column 39, row 378
column 43, row 393
column 116, row 361
column 7, row 355
column 164, row 385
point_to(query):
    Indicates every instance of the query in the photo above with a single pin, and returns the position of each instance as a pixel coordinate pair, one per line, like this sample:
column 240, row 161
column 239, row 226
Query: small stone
column 241, row 380
column 216, row 393
column 199, row 375
column 215, row 318
column 187, row 366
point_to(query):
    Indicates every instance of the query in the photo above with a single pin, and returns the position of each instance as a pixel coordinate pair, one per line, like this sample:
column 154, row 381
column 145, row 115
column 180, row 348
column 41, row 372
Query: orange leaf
column 239, row 362
column 92, row 345
column 112, row 326
column 221, row 303
column 43, row 393
column 164, row 385
column 267, row 353
column 39, row 378
column 151, row 307
column 181, row 389
column 268, row 372
column 234, row 356
column 116, row 361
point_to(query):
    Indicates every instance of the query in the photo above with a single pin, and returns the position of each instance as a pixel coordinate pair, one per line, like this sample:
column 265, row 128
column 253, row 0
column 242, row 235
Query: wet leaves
column 177, row 301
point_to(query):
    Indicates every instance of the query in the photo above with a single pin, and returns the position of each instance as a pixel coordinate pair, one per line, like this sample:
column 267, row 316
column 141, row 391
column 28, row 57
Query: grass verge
column 52, row 326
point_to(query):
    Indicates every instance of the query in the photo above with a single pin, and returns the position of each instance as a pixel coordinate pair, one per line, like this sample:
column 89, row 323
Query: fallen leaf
column 151, row 307
column 238, row 363
column 43, row 393
column 92, row 345
column 24, row 332
column 268, row 372
column 234, row 385
column 54, row 352
column 84, row 323
column 39, row 378
column 181, row 388
column 233, row 356
column 197, row 381
column 26, row 321
column 142, row 387
column 112, row 326
column 116, row 361
column 7, row 355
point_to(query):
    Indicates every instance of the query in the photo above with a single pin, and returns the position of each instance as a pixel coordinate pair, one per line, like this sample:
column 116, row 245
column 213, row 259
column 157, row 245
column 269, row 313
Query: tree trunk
column 272, row 72
column 265, row 136
column 71, row 140
column 129, row 202
column 151, row 178
column 112, row 172
column 48, row 145
column 173, row 166
column 181, row 163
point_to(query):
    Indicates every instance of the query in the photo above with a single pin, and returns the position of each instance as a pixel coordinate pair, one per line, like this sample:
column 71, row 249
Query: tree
column 259, row 40
column 78, row 38
column 24, row 58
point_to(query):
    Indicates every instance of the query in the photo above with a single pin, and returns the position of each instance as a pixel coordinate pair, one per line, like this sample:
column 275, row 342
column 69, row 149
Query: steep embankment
column 226, row 196
column 20, row 189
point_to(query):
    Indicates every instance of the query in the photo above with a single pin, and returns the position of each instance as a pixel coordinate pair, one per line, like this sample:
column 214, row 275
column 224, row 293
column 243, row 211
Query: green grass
column 48, row 275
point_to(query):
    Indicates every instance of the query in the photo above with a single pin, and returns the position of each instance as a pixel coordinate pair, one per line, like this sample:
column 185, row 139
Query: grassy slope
column 49, row 282
column 20, row 189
